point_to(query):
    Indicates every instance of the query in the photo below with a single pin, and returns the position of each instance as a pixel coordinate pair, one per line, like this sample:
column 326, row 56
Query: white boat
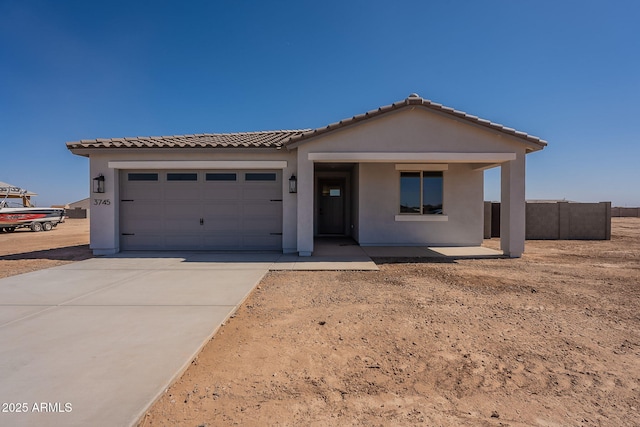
column 25, row 214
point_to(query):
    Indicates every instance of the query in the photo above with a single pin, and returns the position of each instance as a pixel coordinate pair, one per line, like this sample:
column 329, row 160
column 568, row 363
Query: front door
column 331, row 206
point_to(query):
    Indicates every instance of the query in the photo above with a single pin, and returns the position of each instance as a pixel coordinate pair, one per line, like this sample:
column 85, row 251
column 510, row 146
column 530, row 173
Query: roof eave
column 533, row 143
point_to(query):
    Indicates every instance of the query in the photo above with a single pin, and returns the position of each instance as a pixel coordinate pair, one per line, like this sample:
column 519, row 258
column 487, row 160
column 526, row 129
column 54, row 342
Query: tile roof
column 416, row 100
column 280, row 138
column 264, row 139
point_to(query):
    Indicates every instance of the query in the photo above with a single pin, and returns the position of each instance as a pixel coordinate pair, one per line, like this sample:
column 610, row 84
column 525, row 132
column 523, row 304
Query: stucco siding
column 416, row 130
column 105, row 233
column 379, row 201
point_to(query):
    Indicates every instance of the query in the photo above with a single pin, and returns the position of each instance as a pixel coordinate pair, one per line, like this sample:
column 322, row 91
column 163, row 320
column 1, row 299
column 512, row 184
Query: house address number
column 98, row 202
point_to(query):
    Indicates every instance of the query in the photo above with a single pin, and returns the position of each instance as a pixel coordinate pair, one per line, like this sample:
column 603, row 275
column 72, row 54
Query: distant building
column 79, row 209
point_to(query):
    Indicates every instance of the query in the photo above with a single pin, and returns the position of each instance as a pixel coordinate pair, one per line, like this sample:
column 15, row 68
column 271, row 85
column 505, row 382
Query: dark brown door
column 331, row 207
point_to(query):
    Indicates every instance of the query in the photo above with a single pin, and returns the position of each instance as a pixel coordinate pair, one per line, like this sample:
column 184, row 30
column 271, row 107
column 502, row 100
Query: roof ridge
column 416, row 100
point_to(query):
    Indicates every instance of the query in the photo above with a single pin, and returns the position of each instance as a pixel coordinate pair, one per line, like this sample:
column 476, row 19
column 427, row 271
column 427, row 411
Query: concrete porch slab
column 468, row 252
column 452, row 252
column 324, row 263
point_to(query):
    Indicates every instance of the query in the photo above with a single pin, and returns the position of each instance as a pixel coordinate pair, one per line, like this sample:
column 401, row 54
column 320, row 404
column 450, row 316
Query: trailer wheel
column 47, row 226
column 10, row 229
column 36, row 226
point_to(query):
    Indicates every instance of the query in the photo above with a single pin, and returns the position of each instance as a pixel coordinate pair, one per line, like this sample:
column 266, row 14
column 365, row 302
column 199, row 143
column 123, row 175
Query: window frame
column 420, row 216
column 260, row 176
column 143, row 176
column 221, row 177
column 181, row 177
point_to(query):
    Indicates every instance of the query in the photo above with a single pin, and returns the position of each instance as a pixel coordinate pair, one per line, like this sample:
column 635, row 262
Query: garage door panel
column 141, row 217
column 222, row 208
column 221, row 192
column 269, row 225
column 254, row 209
column 261, row 192
column 183, row 225
column 222, row 224
column 182, row 210
column 142, row 225
column 141, row 209
column 142, row 241
column 166, row 214
column 183, row 240
column 222, row 242
column 261, row 242
column 141, row 191
column 181, row 192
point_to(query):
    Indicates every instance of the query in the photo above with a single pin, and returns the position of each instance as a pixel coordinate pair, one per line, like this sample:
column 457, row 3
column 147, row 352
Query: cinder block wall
column 487, row 220
column 565, row 221
column 542, row 221
column 589, row 221
column 76, row 213
column 626, row 212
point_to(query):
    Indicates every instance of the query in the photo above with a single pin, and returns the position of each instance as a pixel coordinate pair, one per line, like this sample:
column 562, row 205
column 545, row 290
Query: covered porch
column 344, row 253
column 357, row 195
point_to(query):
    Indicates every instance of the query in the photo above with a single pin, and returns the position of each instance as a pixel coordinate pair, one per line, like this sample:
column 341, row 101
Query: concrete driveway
column 95, row 342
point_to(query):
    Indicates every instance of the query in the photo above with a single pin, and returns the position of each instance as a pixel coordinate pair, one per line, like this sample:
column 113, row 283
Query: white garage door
column 201, row 210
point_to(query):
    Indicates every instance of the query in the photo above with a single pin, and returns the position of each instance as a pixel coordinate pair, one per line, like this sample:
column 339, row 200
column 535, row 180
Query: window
column 221, row 177
column 421, row 193
column 143, row 177
column 259, row 176
column 182, row 177
column 331, row 190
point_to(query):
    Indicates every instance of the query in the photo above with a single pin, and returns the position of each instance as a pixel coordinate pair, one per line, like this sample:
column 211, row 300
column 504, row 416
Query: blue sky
column 567, row 71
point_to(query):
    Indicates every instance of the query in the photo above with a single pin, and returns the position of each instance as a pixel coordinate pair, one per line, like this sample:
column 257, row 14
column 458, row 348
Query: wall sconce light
column 98, row 184
column 293, row 184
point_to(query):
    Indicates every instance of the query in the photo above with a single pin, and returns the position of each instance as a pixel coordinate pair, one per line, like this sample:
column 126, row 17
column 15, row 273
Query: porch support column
column 305, row 204
column 512, row 206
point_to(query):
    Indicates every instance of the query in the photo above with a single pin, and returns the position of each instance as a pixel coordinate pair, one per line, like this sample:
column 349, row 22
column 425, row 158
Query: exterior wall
column 487, row 220
column 568, row 221
column 79, row 209
column 76, row 213
column 104, row 218
column 626, row 212
column 379, row 203
column 414, row 130
column 587, row 220
column 378, row 184
column 543, row 221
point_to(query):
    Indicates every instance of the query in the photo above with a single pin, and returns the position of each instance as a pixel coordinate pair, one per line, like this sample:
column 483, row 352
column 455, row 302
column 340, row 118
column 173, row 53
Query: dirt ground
column 551, row 339
column 23, row 250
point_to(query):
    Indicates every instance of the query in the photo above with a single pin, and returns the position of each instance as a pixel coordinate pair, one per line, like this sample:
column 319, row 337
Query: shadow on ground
column 413, row 260
column 68, row 253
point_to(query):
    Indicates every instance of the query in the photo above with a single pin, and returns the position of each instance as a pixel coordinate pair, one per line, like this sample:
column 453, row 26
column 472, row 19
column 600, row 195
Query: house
column 409, row 173
column 79, row 209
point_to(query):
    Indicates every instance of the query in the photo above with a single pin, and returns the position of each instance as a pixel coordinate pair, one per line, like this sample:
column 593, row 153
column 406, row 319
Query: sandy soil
column 23, row 250
column 552, row 339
